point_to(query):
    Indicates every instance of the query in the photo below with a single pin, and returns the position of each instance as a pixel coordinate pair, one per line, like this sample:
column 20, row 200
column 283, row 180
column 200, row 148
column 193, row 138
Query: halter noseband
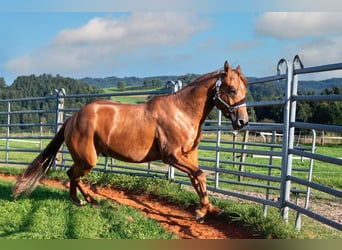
column 217, row 96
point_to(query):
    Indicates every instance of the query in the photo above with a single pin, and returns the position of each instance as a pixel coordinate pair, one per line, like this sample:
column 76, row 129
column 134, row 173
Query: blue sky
column 149, row 38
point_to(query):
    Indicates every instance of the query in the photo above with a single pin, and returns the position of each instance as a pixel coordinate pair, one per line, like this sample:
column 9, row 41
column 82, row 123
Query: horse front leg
column 198, row 181
column 189, row 165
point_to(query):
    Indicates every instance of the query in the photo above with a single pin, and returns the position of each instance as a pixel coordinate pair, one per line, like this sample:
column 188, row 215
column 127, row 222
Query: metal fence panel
column 259, row 157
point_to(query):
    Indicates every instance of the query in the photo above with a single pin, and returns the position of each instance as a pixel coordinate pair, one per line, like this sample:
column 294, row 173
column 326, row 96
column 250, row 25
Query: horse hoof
column 215, row 211
column 199, row 217
column 200, row 220
column 91, row 200
column 79, row 203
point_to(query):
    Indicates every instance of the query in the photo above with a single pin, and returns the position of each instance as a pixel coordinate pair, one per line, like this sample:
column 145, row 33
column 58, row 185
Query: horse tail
column 40, row 166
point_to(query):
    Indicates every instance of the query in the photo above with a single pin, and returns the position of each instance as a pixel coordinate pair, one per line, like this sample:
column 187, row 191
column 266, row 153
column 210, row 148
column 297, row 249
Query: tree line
column 40, row 86
column 324, row 112
column 45, row 85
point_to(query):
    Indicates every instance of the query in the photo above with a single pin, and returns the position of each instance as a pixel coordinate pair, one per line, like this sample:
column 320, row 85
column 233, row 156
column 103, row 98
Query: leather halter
column 217, row 96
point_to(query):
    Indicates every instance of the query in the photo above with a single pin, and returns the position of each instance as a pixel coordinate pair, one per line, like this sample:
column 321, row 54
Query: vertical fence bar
column 293, row 87
column 175, row 86
column 8, row 129
column 270, row 162
column 243, row 155
column 217, row 153
column 286, row 158
column 59, row 119
column 41, row 136
column 294, row 92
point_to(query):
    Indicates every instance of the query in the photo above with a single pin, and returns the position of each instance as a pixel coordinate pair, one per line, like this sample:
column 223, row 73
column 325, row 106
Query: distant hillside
column 42, row 85
column 315, row 87
column 113, row 81
column 318, row 86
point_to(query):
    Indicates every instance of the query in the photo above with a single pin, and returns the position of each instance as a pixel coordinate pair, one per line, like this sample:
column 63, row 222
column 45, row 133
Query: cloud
column 302, row 5
column 321, row 51
column 289, row 25
column 103, row 40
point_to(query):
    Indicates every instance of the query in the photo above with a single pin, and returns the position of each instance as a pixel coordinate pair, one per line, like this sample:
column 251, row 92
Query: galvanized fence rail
column 258, row 163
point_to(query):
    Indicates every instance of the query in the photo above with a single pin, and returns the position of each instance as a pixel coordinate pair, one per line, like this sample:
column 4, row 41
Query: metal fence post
column 60, row 93
column 270, row 162
column 217, row 153
column 8, row 129
column 293, row 106
column 286, row 158
column 59, row 108
column 175, row 86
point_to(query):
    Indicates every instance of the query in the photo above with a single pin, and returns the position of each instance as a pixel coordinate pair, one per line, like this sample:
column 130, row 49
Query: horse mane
column 204, row 77
column 209, row 75
column 198, row 81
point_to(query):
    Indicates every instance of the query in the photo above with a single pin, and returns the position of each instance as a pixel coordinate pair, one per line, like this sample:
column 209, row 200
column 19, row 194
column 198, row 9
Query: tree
column 2, row 83
column 121, row 85
column 304, row 111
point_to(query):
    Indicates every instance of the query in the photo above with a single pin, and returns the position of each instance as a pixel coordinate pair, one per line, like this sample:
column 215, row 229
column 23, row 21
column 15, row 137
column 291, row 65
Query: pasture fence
column 262, row 163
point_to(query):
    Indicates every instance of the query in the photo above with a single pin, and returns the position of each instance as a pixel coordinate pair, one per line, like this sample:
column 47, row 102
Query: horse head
column 230, row 96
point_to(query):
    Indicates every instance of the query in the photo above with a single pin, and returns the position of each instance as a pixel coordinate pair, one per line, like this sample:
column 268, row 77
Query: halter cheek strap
column 217, row 96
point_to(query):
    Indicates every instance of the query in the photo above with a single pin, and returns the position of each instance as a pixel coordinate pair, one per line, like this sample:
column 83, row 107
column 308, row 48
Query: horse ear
column 226, row 66
column 238, row 69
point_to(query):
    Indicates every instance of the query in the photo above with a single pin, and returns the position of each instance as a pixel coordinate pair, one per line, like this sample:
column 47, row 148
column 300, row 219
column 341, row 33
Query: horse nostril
column 242, row 123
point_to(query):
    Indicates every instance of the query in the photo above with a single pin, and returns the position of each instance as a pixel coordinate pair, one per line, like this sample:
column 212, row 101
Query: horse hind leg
column 75, row 173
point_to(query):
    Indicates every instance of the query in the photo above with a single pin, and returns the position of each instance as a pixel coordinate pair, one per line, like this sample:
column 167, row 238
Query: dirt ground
column 174, row 219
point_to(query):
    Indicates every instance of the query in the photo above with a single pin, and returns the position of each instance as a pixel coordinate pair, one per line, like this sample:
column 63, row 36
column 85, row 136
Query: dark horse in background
column 166, row 128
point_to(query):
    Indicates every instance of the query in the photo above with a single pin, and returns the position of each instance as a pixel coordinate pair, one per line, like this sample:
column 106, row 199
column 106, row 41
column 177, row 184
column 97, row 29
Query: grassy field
column 130, row 99
column 48, row 214
column 127, row 99
column 27, row 217
column 324, row 173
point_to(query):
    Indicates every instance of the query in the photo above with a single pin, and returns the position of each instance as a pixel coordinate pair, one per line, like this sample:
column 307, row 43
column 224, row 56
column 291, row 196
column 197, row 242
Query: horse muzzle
column 238, row 120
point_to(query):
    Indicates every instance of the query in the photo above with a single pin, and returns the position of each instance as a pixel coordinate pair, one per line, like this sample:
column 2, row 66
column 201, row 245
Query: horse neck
column 197, row 98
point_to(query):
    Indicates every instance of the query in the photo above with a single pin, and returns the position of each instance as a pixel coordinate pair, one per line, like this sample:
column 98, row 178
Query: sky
column 88, row 38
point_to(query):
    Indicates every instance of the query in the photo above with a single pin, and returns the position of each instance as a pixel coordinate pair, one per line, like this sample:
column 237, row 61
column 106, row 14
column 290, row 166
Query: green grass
column 48, row 214
column 249, row 216
column 245, row 215
column 323, row 173
column 129, row 99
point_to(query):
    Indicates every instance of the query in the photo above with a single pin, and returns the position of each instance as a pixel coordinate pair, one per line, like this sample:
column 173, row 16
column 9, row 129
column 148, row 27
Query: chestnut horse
column 166, row 127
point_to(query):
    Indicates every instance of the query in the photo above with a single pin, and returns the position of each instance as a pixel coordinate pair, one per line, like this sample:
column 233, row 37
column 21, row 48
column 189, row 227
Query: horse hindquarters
column 80, row 143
